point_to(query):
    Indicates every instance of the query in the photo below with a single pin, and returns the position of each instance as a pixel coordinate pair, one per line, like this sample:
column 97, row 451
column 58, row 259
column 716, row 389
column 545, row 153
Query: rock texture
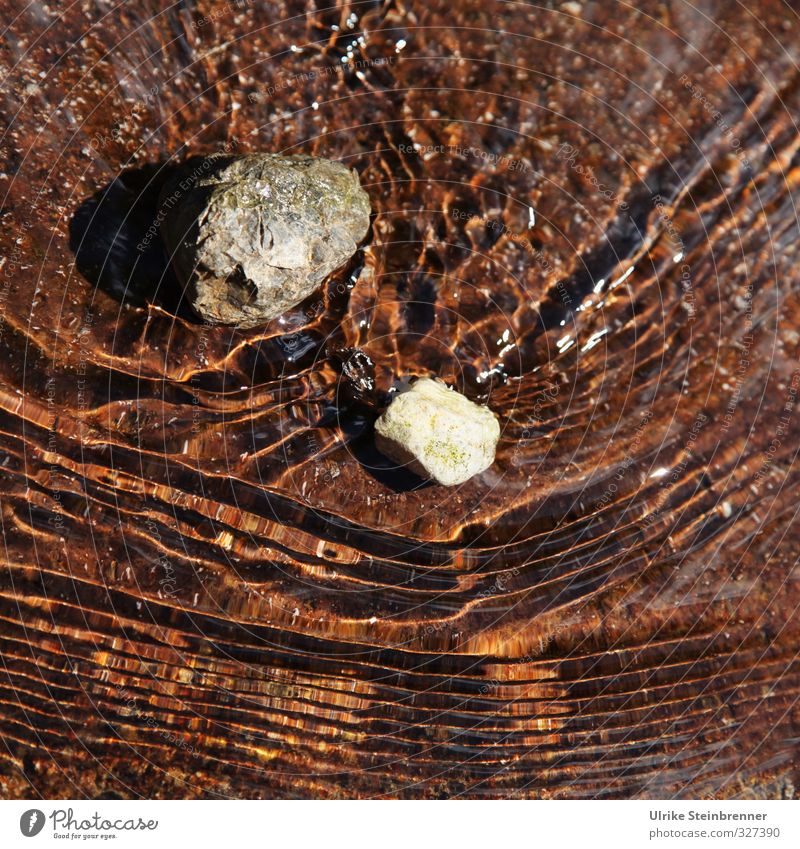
column 438, row 433
column 251, row 236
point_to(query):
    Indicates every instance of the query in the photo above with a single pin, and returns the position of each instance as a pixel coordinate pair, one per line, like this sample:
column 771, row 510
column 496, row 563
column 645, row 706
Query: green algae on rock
column 438, row 433
column 251, row 236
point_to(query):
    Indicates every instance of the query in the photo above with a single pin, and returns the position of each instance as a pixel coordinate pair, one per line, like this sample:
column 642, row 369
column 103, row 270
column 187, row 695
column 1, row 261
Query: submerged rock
column 438, row 433
column 251, row 236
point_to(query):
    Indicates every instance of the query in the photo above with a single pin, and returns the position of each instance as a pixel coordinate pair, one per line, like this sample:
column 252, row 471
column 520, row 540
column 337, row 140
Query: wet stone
column 252, row 236
column 438, row 433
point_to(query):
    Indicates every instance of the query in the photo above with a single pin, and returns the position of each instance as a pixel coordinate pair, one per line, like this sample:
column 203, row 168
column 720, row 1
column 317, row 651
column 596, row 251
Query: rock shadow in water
column 114, row 236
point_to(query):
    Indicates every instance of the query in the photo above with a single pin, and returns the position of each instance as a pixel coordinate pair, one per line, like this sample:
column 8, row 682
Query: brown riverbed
column 584, row 216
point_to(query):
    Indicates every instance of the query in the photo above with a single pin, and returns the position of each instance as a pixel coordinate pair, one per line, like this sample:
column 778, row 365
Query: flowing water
column 583, row 216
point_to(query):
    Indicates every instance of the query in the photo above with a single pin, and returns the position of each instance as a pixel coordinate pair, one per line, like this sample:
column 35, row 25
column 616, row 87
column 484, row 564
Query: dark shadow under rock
column 117, row 245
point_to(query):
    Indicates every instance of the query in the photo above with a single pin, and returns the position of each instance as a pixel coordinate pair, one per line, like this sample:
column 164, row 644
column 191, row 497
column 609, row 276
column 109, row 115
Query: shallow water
column 214, row 583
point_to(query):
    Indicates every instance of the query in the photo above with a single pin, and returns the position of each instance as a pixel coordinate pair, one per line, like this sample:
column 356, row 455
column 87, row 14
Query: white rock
column 438, row 433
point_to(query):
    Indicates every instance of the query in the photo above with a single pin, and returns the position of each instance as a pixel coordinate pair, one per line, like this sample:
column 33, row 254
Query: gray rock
column 251, row 236
column 438, row 433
